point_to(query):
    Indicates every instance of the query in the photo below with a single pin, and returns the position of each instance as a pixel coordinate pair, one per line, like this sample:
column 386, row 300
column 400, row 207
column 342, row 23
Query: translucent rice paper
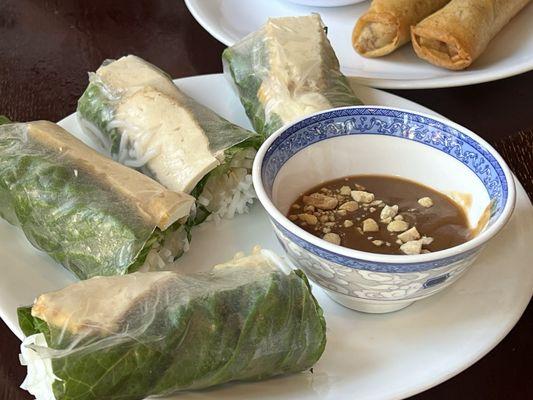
column 157, row 333
column 285, row 71
column 91, row 214
column 144, row 121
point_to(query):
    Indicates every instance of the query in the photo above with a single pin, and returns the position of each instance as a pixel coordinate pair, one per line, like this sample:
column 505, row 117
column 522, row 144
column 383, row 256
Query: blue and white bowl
column 387, row 141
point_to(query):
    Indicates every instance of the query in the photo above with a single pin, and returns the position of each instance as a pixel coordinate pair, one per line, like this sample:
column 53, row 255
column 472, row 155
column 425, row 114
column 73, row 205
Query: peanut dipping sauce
column 381, row 214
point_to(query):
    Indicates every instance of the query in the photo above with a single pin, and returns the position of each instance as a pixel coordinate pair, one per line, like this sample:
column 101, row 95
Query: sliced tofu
column 155, row 203
column 299, row 56
column 162, row 131
column 131, row 73
column 101, row 303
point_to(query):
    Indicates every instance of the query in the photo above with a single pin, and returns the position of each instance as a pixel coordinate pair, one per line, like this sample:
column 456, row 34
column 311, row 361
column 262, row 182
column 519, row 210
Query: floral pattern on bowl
column 310, row 151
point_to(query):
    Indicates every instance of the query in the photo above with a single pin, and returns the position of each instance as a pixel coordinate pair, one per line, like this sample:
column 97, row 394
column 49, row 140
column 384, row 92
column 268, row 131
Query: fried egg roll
column 386, row 25
column 455, row 36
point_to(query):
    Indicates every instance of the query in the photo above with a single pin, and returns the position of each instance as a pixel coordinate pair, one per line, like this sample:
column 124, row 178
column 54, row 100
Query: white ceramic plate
column 375, row 356
column 325, row 3
column 510, row 53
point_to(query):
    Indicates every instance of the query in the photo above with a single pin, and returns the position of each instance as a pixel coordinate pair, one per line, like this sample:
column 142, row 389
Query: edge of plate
column 198, row 16
column 436, row 83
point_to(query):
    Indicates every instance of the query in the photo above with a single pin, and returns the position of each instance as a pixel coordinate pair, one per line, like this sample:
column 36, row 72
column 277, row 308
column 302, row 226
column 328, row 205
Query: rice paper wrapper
column 285, row 71
column 160, row 332
column 143, row 120
column 89, row 213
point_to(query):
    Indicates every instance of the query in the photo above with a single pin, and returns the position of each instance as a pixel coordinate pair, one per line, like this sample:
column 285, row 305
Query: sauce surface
column 328, row 211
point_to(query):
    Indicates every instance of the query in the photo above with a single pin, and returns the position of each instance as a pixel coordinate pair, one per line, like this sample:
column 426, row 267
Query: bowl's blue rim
column 462, row 250
column 329, row 115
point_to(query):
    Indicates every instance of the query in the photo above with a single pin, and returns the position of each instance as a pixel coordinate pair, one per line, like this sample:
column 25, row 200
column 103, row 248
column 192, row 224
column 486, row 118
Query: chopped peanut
column 321, row 201
column 425, row 202
column 388, row 212
column 369, row 225
column 412, row 247
column 397, row 226
column 324, row 218
column 308, row 218
column 426, row 240
column 332, row 238
column 345, row 190
column 362, row 197
column 408, row 235
column 349, row 206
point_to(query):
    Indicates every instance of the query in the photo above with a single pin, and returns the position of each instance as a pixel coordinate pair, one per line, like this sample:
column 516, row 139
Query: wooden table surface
column 47, row 47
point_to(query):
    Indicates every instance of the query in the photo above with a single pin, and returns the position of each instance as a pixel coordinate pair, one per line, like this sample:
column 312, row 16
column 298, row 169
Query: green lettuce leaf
column 67, row 212
column 31, row 325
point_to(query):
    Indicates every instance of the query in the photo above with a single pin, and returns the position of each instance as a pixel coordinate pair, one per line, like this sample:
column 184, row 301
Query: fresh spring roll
column 156, row 333
column 455, row 36
column 286, row 71
column 89, row 213
column 144, row 121
column 387, row 24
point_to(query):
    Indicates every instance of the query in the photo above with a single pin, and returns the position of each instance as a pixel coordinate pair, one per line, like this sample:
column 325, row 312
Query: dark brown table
column 47, row 47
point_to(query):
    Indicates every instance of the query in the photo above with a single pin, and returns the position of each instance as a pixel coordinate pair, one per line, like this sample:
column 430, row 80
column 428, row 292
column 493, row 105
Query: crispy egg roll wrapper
column 455, row 36
column 386, row 25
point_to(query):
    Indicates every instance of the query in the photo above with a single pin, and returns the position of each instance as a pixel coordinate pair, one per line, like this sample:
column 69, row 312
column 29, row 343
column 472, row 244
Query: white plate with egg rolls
column 507, row 54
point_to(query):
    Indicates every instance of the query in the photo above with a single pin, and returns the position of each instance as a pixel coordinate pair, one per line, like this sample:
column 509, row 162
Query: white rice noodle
column 40, row 375
column 101, row 140
column 226, row 195
column 162, row 254
column 132, row 151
